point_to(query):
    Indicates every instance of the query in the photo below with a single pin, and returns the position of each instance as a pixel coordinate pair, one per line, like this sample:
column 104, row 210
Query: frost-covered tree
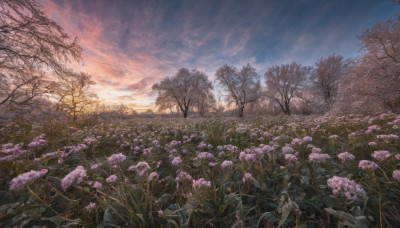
column 284, row 81
column 183, row 89
column 243, row 86
column 326, row 75
column 29, row 42
column 373, row 84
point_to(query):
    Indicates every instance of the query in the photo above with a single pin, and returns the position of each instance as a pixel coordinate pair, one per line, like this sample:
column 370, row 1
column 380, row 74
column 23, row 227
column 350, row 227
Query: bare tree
column 326, row 75
column 284, row 81
column 29, row 41
column 74, row 94
column 243, row 85
column 183, row 89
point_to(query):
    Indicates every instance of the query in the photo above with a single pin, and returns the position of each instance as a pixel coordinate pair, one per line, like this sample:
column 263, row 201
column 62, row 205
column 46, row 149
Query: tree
column 284, row 81
column 372, row 85
column 326, row 75
column 243, row 86
column 182, row 89
column 74, row 94
column 29, row 42
column 205, row 102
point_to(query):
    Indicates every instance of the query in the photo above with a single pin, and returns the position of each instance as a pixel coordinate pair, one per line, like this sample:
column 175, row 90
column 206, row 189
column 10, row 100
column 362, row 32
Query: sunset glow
column 130, row 45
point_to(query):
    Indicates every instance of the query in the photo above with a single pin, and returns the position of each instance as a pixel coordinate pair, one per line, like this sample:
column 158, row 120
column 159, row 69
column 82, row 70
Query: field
column 261, row 172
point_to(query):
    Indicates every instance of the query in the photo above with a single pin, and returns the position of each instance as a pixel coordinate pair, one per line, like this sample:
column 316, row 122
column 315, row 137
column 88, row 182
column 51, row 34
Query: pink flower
column 246, row 177
column 201, row 183
column 116, row 159
column 74, row 177
column 365, row 164
column 342, row 186
column 396, row 174
column 346, row 156
column 318, row 158
column 19, row 182
column 142, row 167
column 287, row 150
column 97, row 185
column 307, row 139
column 183, row 176
column 381, row 155
column 112, row 179
column 90, row 206
column 226, row 163
column 177, row 161
column 291, row 158
column 153, row 176
column 205, row 155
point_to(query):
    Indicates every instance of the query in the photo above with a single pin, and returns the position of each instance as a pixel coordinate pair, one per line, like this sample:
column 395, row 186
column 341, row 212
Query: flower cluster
column 116, row 159
column 19, row 182
column 246, row 177
column 112, row 179
column 318, row 158
column 346, row 157
column 182, row 176
column 142, row 167
column 153, row 176
column 201, row 183
column 365, row 165
column 177, row 161
column 381, row 155
column 74, row 177
column 226, row 164
column 344, row 187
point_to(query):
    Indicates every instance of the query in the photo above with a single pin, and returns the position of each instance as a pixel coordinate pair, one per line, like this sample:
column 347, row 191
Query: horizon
column 129, row 46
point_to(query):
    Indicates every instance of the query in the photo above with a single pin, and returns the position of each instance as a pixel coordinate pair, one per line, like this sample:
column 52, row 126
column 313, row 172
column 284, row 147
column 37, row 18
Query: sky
column 130, row 45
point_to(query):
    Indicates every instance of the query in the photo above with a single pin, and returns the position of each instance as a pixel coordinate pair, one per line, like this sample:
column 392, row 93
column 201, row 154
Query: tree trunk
column 185, row 113
column 287, row 108
column 241, row 108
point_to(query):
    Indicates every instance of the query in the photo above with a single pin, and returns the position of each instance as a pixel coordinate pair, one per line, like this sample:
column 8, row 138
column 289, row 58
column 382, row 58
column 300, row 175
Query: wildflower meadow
column 262, row 172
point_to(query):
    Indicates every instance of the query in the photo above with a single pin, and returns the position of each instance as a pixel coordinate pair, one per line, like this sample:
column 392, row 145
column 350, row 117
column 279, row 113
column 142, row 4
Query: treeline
column 369, row 83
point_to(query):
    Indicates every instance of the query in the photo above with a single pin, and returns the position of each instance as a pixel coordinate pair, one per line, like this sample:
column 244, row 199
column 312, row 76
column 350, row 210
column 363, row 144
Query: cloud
column 130, row 45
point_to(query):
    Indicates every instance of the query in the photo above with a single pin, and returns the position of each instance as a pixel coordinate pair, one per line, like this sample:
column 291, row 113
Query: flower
column 74, row 177
column 287, row 150
column 246, row 177
column 183, row 176
column 307, row 139
column 205, row 155
column 90, row 206
column 112, row 179
column 396, row 174
column 97, row 185
column 116, row 159
column 318, row 158
column 381, row 155
column 177, row 161
column 226, row 163
column 19, row 182
column 365, row 164
column 342, row 186
column 291, row 158
column 346, row 156
column 142, row 167
column 153, row 175
column 201, row 183
column 316, row 150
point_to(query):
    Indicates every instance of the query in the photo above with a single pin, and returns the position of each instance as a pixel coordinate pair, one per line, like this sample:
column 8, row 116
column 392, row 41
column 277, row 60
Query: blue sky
column 130, row 45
